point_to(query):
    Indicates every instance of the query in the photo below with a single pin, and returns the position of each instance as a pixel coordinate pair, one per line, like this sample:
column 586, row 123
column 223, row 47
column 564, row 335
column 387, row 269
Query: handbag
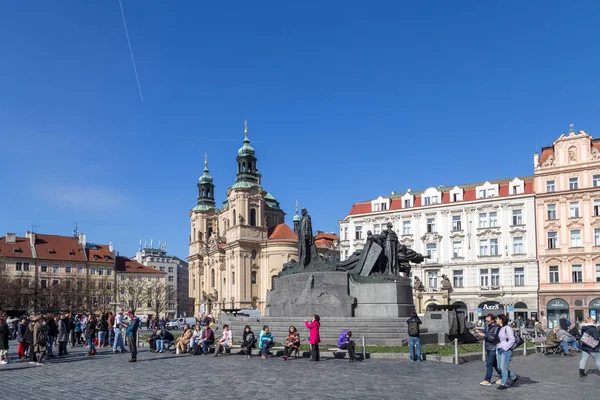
column 589, row 341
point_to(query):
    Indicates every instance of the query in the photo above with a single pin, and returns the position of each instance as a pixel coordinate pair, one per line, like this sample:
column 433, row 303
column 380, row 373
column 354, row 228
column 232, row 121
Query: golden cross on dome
column 206, row 159
column 246, row 126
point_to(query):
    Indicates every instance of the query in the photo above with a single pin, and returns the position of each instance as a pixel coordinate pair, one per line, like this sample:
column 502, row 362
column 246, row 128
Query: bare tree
column 157, row 295
column 132, row 292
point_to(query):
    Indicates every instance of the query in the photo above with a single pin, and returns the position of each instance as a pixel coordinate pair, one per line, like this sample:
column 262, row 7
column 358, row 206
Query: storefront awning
column 557, row 304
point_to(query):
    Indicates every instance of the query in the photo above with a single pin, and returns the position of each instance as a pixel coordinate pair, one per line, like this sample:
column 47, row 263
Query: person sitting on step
column 292, row 343
column 265, row 341
column 249, row 341
column 225, row 342
column 183, row 340
column 345, row 343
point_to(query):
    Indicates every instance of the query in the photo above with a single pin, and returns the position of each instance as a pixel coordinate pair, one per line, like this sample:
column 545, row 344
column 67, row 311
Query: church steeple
column 206, row 190
column 247, row 173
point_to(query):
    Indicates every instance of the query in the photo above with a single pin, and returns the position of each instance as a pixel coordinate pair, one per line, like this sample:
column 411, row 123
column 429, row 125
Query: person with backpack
column 414, row 337
column 40, row 339
column 590, row 345
column 490, row 337
column 345, row 342
column 506, row 341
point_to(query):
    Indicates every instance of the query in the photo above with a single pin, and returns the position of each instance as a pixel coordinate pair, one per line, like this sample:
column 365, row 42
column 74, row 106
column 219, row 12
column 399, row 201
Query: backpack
column 518, row 341
column 42, row 337
column 413, row 328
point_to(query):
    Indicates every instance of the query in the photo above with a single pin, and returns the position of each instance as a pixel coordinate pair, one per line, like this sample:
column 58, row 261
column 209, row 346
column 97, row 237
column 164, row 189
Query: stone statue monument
column 391, row 250
column 307, row 251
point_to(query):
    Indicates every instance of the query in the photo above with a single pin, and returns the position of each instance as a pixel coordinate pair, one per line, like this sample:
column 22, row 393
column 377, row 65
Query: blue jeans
column 205, row 344
column 101, row 337
column 491, row 364
column 503, row 360
column 160, row 344
column 90, row 343
column 414, row 341
column 573, row 343
column 265, row 346
column 50, row 343
column 118, row 340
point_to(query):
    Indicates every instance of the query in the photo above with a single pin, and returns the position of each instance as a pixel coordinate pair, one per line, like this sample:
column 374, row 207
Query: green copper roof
column 244, row 185
column 269, row 196
column 206, row 178
column 297, row 218
column 204, row 207
column 246, row 149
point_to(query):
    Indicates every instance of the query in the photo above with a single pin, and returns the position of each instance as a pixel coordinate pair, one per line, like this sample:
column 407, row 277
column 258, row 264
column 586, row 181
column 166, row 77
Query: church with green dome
column 237, row 249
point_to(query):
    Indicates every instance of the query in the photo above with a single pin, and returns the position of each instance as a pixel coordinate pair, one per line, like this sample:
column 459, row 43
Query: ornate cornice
column 488, row 233
column 518, row 231
column 575, row 223
column 457, row 235
column 430, row 238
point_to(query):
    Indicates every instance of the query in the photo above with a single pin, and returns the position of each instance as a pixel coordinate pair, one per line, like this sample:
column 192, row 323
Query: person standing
column 588, row 329
column 345, row 342
column 506, row 339
column 4, row 336
column 490, row 336
column 52, row 334
column 90, row 333
column 21, row 337
column 63, row 335
column 414, row 337
column 111, row 324
column 118, row 333
column 102, row 331
column 132, row 328
column 314, row 337
column 77, row 330
column 40, row 339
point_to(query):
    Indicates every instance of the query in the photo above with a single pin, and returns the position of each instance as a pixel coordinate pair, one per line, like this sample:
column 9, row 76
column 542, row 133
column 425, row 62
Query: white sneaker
column 32, row 362
column 3, row 362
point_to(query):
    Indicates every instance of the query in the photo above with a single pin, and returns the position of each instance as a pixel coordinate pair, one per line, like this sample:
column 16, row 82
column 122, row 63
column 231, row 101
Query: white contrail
column 137, row 79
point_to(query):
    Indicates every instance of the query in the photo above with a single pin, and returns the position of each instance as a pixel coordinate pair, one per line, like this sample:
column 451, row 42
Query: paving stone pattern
column 170, row 376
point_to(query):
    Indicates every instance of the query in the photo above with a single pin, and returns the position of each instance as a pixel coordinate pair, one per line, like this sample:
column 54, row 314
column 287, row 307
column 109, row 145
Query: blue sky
column 345, row 101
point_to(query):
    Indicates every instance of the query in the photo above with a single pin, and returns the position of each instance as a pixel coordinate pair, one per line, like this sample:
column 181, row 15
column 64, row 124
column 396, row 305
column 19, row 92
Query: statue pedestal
column 445, row 297
column 382, row 298
column 308, row 293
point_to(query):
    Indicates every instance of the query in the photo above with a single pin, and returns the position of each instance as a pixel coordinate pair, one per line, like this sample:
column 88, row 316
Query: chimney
column 82, row 241
column 536, row 160
column 110, row 247
column 11, row 238
column 31, row 237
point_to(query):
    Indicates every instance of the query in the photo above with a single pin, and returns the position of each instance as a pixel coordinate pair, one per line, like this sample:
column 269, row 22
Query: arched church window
column 243, row 167
column 234, row 218
column 194, row 234
column 212, row 278
column 253, row 277
column 252, row 217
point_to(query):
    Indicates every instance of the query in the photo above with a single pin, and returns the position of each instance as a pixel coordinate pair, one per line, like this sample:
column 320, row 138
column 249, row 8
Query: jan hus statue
column 307, row 251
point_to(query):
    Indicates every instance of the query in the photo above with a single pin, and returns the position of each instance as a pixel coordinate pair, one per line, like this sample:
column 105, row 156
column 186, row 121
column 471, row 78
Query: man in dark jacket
column 490, row 336
column 63, row 335
column 132, row 328
column 589, row 327
column 208, row 338
column 52, row 333
column 414, row 337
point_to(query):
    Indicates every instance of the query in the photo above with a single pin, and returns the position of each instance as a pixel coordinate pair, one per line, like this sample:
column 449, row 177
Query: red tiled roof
column 131, row 266
column 469, row 194
column 283, row 232
column 61, row 248
column 546, row 152
column 326, row 236
column 20, row 249
column 99, row 254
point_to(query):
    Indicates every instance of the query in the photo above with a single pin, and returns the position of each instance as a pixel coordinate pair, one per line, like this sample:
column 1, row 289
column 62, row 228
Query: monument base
column 308, row 293
column 382, row 298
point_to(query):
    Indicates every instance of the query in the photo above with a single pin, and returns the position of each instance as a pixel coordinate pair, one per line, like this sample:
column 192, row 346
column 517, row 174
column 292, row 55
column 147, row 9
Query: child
column 314, row 337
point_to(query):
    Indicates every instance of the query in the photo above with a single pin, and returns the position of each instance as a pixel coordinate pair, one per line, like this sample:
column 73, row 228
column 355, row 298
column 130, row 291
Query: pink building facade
column 567, row 187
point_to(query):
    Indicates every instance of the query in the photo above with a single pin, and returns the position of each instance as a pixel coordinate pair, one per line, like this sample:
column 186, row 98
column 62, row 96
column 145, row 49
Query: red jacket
column 314, row 331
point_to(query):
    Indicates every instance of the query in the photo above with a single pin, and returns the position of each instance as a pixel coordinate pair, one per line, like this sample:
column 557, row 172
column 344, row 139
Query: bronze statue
column 418, row 285
column 446, row 284
column 390, row 250
column 307, row 251
column 380, row 265
column 405, row 256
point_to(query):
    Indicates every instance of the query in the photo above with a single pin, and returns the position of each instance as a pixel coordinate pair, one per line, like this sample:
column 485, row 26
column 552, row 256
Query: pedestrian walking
column 414, row 337
column 590, row 345
column 490, row 336
column 506, row 339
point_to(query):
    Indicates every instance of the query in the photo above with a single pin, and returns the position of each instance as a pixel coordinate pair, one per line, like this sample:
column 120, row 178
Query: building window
column 517, row 189
column 432, row 278
column 432, row 251
column 430, row 225
column 55, row 268
column 100, row 271
column 458, row 278
column 80, row 269
column 493, row 219
column 576, row 273
column 456, row 249
column 456, row 197
column 122, row 278
column 517, row 217
column 67, row 268
column 495, row 275
column 551, row 211
column 430, row 200
column 171, row 278
column 407, row 203
column 19, row 266
column 252, row 217
column 552, row 240
column 44, row 283
column 233, row 278
column 518, row 245
column 44, row 268
column 484, row 248
column 596, row 237
column 493, row 247
column 358, row 233
column 596, row 208
column 26, row 267
column 170, row 270
column 456, row 223
column 554, row 274
column 109, row 286
column 484, row 278
column 573, row 183
column 483, row 221
column 92, row 271
column 406, row 227
column 109, row 271
column 346, row 233
column 519, row 276
column 550, row 186
column 596, row 180
column 253, row 277
column 576, row 238
column 597, row 272
column 162, row 269
column 574, row 210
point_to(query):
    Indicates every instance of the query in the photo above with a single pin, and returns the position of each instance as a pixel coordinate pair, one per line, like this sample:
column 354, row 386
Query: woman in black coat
column 587, row 351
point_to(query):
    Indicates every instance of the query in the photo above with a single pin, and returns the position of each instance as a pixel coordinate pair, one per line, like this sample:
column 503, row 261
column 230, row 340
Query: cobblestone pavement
column 170, row 376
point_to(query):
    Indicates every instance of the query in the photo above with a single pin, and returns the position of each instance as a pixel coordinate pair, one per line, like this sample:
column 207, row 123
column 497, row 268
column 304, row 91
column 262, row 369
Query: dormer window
column 106, row 258
column 407, row 203
column 71, row 253
column 380, row 204
column 517, row 186
column 17, row 250
column 487, row 190
column 430, row 196
column 52, row 251
column 95, row 257
column 456, row 194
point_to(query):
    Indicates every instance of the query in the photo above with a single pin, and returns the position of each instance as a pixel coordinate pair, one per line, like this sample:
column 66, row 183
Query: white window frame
column 551, row 186
column 574, row 211
column 577, row 273
column 458, row 278
column 517, row 217
column 518, row 245
column 575, row 235
column 573, row 183
column 552, row 238
column 519, row 276
column 554, row 274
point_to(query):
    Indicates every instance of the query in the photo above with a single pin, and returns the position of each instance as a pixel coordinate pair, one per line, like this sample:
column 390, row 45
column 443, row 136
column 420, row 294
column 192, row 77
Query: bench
column 542, row 348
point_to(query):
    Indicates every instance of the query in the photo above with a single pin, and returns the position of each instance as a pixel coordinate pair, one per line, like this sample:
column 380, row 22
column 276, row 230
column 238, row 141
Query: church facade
column 236, row 250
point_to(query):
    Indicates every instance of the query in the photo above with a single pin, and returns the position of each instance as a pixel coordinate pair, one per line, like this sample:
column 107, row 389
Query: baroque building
column 481, row 236
column 235, row 251
column 567, row 187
